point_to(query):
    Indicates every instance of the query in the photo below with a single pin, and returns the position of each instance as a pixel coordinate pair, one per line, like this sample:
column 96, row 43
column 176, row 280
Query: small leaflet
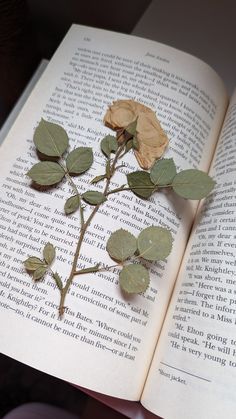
column 135, row 143
column 109, row 145
column 39, row 273
column 50, row 139
column 58, row 280
column 33, row 263
column 154, row 243
column 140, row 183
column 163, row 172
column 121, row 245
column 72, row 204
column 79, row 160
column 192, row 184
column 131, row 144
column 134, row 278
column 131, row 128
column 46, row 173
column 128, row 146
column 94, row 197
column 49, row 253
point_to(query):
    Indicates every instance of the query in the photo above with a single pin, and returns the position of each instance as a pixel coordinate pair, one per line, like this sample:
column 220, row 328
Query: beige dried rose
column 152, row 140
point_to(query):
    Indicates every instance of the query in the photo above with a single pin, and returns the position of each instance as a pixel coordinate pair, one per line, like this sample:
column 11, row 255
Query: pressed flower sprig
column 137, row 129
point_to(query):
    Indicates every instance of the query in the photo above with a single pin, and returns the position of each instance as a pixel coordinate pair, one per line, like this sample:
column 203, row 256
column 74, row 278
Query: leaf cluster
column 51, row 141
column 152, row 244
column 189, row 184
column 110, row 144
column 38, row 267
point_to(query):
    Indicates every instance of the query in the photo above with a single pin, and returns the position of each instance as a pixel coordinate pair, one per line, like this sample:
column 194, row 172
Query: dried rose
column 120, row 114
column 152, row 140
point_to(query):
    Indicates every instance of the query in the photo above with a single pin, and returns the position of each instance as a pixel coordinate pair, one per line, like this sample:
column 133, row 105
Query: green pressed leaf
column 94, row 197
column 109, row 145
column 79, row 160
column 192, row 184
column 140, row 183
column 131, row 128
column 49, row 253
column 121, row 245
column 98, row 178
column 38, row 274
column 50, row 139
column 128, row 146
column 46, row 173
column 72, row 204
column 33, row 263
column 58, row 280
column 134, row 278
column 163, row 172
column 154, row 243
column 135, row 143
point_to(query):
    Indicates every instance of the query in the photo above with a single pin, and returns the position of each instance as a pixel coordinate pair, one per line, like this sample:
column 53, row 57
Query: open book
column 173, row 347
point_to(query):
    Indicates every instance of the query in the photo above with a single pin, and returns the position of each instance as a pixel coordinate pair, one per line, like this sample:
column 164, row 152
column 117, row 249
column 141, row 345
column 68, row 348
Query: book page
column 193, row 372
column 106, row 340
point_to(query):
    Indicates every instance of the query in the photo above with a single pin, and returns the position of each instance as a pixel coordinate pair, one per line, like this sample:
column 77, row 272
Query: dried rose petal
column 152, row 140
column 120, row 114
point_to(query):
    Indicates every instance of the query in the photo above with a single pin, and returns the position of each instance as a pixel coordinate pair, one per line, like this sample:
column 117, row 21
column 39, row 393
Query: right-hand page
column 193, row 374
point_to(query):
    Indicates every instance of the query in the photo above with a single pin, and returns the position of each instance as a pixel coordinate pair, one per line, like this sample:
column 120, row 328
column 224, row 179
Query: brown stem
column 84, row 227
column 75, row 189
column 96, row 269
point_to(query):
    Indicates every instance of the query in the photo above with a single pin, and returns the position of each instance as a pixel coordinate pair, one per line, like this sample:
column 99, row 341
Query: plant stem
column 95, row 269
column 127, row 188
column 75, row 189
column 84, row 227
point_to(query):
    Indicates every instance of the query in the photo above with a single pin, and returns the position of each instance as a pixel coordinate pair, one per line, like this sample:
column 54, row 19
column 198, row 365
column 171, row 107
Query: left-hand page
column 84, row 347
column 77, row 347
